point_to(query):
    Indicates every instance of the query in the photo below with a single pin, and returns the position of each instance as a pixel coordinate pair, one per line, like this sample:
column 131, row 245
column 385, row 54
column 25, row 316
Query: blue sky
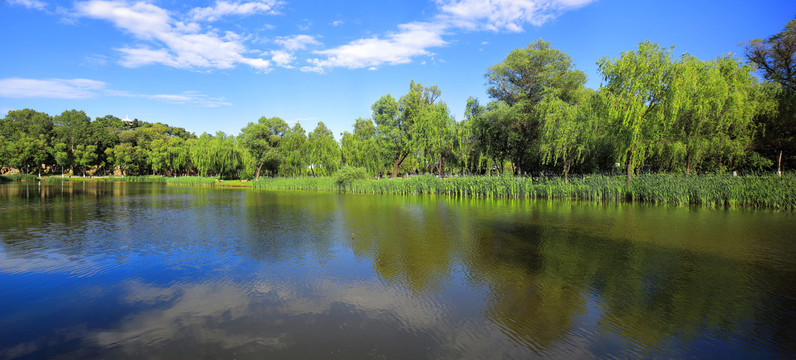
column 217, row 65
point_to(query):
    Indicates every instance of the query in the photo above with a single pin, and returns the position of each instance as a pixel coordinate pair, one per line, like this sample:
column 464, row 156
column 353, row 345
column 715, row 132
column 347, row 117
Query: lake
column 136, row 270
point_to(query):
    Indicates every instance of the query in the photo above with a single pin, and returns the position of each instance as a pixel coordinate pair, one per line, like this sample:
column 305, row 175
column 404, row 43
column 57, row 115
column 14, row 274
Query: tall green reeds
column 191, row 180
column 715, row 190
column 18, row 177
column 106, row 179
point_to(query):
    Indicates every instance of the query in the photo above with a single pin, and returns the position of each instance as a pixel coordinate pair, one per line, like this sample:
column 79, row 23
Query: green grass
column 754, row 191
column 147, row 178
column 191, row 180
column 205, row 181
column 18, row 177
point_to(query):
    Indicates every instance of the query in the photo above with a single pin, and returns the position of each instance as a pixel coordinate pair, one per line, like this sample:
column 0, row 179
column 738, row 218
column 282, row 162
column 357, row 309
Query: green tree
column 262, row 140
column 85, row 156
column 323, row 151
column 361, row 148
column 393, row 132
column 566, row 128
column 227, row 156
column 433, row 136
column 395, row 121
column 775, row 58
column 294, row 148
column 710, row 111
column 27, row 134
column 636, row 86
column 521, row 81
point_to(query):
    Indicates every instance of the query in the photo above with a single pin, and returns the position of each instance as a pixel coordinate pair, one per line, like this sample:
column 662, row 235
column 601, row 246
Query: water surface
column 130, row 270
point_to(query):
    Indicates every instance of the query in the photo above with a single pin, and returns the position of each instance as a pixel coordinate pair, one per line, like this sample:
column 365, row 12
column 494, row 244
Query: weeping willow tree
column 710, row 113
column 635, row 89
column 566, row 128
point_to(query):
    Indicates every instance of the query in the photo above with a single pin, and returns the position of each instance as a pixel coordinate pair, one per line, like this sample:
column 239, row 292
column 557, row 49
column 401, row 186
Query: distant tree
column 293, row 150
column 775, row 58
column 433, row 132
column 392, row 131
column 262, row 140
column 27, row 138
column 323, row 151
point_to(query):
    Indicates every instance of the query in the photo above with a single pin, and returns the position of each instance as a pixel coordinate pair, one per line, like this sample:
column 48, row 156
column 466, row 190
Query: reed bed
column 302, row 183
column 191, row 180
column 106, row 179
column 18, row 177
column 713, row 190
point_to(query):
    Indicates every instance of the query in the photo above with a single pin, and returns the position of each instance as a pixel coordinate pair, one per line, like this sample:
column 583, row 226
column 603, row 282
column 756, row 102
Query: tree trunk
column 779, row 164
column 398, row 161
column 257, row 176
column 629, row 166
column 687, row 162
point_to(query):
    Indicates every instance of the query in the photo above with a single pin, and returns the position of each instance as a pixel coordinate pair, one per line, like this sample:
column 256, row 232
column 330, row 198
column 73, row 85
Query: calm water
column 113, row 270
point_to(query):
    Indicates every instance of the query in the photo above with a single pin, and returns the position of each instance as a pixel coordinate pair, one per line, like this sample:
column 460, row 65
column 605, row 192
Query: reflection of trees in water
column 542, row 269
column 410, row 243
column 658, row 275
column 289, row 226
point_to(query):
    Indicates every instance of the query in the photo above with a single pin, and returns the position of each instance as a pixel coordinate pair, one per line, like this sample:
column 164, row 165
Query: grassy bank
column 182, row 180
column 763, row 191
column 205, row 181
column 18, row 177
column 105, row 178
column 753, row 191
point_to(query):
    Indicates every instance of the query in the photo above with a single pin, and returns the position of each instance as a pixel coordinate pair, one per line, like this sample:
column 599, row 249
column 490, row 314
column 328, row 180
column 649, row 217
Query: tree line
column 652, row 113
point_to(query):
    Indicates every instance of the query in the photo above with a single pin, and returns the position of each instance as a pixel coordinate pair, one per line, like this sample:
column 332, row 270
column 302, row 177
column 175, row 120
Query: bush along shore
column 182, row 180
column 714, row 190
column 711, row 190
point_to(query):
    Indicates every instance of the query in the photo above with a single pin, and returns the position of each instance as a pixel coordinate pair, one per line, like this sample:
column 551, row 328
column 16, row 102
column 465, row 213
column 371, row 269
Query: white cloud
column 86, row 89
column 282, row 58
column 50, row 88
column 189, row 98
column 30, row 4
column 337, row 23
column 224, row 8
column 505, row 15
column 296, row 42
column 415, row 39
column 177, row 44
column 411, row 40
column 289, row 45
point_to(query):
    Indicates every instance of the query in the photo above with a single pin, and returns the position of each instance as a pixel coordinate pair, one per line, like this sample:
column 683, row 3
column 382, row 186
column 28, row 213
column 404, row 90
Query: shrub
column 347, row 174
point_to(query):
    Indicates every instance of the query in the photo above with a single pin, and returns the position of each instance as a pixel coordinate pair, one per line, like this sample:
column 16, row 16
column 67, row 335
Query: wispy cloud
column 50, row 88
column 226, row 8
column 417, row 38
column 503, row 15
column 296, row 42
column 289, row 45
column 30, row 4
column 86, row 89
column 413, row 39
column 169, row 42
column 187, row 41
column 189, row 98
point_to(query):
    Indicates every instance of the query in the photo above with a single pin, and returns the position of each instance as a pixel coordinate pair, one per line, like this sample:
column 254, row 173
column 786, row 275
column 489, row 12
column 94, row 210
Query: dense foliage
column 755, row 191
column 653, row 113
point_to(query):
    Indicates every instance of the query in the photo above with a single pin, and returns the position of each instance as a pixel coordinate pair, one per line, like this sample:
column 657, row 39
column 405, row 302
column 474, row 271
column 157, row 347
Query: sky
column 217, row 65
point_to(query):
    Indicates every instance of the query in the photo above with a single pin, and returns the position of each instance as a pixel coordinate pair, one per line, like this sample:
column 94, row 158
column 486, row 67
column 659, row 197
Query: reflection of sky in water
column 249, row 308
column 138, row 271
